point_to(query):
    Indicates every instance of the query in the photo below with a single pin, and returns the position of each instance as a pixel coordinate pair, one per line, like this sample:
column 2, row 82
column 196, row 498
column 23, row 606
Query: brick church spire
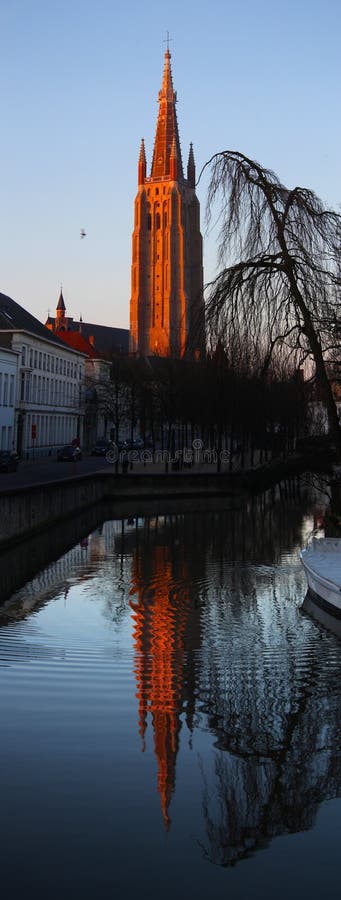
column 166, row 306
column 60, row 320
column 167, row 127
column 61, row 305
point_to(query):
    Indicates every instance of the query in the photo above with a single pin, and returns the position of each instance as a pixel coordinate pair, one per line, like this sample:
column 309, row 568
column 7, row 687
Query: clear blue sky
column 79, row 85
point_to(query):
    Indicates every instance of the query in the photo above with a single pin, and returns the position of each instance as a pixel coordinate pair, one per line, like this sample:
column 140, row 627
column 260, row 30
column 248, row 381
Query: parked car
column 101, row 447
column 8, row 461
column 138, row 444
column 69, row 454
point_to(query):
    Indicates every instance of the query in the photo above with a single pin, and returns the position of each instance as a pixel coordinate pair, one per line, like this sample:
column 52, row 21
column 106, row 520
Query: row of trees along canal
column 223, row 405
column 272, row 313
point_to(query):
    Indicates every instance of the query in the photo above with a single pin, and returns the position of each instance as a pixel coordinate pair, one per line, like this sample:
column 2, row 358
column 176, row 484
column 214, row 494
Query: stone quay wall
column 25, row 510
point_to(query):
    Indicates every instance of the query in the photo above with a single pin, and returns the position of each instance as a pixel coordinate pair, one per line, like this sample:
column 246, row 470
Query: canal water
column 170, row 719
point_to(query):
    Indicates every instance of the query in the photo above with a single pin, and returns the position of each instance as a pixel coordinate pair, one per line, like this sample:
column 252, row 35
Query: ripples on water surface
column 170, row 720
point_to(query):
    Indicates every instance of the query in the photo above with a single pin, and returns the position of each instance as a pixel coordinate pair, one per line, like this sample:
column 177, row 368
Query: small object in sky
column 83, row 233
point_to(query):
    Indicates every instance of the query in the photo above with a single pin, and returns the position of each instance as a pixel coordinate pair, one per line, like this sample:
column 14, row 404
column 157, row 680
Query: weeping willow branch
column 280, row 279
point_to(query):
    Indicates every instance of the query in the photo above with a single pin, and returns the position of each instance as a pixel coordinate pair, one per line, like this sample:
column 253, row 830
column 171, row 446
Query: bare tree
column 282, row 285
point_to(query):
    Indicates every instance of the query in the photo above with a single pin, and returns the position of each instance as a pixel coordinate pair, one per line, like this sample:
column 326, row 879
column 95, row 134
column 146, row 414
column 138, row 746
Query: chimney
column 91, row 340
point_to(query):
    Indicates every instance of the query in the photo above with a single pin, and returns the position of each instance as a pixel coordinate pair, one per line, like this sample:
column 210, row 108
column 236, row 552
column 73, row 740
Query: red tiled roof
column 107, row 340
column 76, row 340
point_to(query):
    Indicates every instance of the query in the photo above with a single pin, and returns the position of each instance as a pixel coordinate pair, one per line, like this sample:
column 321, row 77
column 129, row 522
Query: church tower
column 167, row 307
column 60, row 322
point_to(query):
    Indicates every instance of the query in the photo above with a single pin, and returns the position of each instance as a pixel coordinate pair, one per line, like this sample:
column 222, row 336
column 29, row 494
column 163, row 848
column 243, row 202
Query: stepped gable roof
column 14, row 317
column 167, row 130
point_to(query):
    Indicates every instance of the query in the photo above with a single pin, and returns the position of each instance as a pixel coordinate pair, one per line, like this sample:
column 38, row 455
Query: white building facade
column 9, row 369
column 50, row 396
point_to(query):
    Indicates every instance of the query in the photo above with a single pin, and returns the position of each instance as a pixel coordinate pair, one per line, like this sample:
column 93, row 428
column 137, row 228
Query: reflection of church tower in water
column 160, row 619
column 166, row 307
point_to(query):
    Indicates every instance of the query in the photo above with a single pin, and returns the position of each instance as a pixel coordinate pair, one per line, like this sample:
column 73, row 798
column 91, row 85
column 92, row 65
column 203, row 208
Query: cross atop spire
column 167, row 41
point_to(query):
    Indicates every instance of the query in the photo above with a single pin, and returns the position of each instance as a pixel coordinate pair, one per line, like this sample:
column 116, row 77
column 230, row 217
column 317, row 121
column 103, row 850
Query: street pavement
column 35, row 471
column 48, row 469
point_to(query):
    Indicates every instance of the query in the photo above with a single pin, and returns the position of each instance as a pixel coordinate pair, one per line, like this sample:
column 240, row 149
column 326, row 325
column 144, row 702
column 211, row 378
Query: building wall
column 167, row 313
column 8, row 394
column 50, row 395
column 98, row 421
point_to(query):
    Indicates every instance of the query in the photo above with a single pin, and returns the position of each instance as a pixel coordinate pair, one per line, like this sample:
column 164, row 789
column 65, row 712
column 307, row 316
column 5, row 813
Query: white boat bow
column 321, row 561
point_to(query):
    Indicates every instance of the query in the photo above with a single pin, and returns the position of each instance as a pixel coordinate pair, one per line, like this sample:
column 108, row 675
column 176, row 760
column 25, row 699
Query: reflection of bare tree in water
column 215, row 635
column 268, row 697
column 181, row 565
column 215, row 630
column 278, row 734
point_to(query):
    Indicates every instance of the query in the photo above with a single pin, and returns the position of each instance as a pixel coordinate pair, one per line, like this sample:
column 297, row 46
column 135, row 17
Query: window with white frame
column 11, row 391
column 5, row 394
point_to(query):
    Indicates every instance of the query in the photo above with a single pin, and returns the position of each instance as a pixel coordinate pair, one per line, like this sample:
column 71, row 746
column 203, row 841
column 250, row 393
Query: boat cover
column 323, row 556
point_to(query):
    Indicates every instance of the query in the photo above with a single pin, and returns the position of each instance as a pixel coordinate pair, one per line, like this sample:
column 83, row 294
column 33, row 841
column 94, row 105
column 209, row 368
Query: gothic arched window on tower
column 157, row 220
